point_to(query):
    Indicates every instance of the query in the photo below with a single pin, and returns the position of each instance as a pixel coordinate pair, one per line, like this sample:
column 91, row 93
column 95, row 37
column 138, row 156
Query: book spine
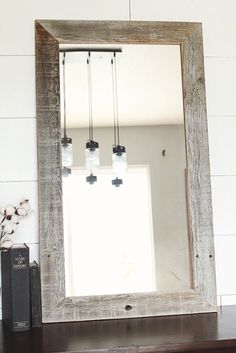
column 16, row 295
column 35, row 296
column 6, row 287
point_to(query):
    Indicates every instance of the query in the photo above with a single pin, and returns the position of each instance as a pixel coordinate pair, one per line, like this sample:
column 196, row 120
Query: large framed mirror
column 124, row 178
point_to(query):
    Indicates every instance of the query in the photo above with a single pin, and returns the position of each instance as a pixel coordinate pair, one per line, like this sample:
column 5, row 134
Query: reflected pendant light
column 119, row 160
column 92, row 147
column 66, row 142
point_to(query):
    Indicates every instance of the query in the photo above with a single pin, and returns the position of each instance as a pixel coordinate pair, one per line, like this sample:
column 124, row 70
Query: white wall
column 18, row 168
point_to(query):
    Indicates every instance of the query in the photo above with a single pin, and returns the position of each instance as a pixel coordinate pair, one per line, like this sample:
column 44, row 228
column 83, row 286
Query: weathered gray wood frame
column 202, row 298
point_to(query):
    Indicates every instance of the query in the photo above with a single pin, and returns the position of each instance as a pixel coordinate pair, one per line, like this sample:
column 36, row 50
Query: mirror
column 133, row 237
column 119, row 242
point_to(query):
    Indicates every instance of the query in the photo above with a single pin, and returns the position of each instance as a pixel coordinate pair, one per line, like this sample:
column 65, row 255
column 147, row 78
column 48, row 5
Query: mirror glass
column 125, row 210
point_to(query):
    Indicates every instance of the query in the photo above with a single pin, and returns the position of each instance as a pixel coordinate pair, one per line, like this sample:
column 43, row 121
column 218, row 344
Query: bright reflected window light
column 109, row 233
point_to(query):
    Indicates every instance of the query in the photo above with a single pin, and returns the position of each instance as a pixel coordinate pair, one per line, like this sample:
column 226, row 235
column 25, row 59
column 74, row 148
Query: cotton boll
column 10, row 228
column 21, row 211
column 6, row 244
column 2, row 210
column 26, row 205
column 10, row 210
column 15, row 218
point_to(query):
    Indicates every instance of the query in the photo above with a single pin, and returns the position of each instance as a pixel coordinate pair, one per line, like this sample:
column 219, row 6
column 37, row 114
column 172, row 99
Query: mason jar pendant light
column 92, row 147
column 66, row 142
column 119, row 160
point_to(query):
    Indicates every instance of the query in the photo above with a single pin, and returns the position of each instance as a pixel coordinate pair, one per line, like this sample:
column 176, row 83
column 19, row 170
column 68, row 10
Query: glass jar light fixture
column 92, row 155
column 67, row 152
column 92, row 160
column 119, row 159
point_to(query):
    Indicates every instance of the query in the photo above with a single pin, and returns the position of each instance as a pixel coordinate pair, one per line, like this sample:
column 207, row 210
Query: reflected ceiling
column 149, row 86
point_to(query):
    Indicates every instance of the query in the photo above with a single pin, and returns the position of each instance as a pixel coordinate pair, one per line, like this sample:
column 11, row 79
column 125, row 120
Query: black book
column 15, row 287
column 35, row 295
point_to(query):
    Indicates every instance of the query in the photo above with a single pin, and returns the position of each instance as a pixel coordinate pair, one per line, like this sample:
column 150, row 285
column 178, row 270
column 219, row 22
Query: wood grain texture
column 202, row 298
column 199, row 185
column 49, row 170
column 123, row 32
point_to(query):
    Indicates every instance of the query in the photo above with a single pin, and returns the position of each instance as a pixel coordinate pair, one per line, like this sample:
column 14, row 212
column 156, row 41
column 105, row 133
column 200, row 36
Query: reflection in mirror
column 125, row 229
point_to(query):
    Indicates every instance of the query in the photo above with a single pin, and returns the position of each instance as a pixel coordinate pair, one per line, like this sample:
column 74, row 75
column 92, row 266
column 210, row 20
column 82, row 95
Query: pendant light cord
column 115, row 101
column 90, row 97
column 64, row 90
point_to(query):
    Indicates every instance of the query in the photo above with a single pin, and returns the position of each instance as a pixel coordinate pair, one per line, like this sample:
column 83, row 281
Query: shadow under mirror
column 124, row 170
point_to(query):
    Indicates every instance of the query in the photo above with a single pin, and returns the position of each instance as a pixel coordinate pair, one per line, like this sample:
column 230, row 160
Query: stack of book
column 21, row 291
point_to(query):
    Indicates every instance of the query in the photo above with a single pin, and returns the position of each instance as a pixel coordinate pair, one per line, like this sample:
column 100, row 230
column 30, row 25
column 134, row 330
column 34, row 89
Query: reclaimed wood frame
column 202, row 297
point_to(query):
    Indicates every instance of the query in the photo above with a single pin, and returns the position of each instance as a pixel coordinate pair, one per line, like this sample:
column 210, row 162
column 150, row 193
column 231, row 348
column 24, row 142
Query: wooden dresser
column 215, row 333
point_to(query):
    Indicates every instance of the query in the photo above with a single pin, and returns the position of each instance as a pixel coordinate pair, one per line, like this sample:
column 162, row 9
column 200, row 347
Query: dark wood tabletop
column 188, row 333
